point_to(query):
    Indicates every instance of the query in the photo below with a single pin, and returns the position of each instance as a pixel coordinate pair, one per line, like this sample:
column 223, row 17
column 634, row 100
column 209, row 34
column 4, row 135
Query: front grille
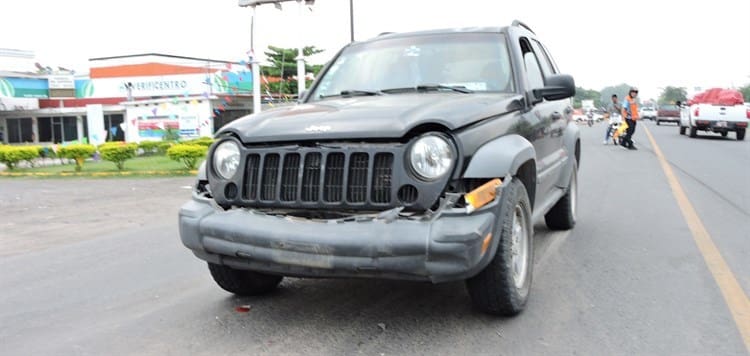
column 319, row 176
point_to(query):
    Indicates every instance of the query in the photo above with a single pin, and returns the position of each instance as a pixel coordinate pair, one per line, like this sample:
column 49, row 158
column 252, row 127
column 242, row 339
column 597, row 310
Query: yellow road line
column 735, row 297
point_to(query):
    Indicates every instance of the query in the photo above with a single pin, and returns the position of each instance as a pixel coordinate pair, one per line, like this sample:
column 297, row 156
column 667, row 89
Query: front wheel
column 502, row 288
column 682, row 130
column 243, row 282
column 658, row 122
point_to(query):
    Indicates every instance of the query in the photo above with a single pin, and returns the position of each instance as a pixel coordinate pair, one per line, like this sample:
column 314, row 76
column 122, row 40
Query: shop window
column 114, row 120
column 45, row 129
column 19, row 130
column 70, row 128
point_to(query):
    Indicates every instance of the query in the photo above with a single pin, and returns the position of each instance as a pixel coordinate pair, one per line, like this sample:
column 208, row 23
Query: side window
column 551, row 60
column 543, row 59
column 533, row 71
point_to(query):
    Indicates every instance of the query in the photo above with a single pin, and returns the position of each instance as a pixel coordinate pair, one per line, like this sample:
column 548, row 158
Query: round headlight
column 431, row 157
column 226, row 159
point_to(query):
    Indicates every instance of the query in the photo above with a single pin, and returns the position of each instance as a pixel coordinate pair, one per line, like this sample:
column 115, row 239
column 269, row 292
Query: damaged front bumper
column 448, row 245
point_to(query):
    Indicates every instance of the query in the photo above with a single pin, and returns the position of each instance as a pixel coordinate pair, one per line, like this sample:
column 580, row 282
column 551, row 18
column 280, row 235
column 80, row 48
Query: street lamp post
column 256, row 63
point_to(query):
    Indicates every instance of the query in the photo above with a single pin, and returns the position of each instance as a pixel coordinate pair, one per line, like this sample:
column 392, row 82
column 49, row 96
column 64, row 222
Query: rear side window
column 547, row 67
column 531, row 62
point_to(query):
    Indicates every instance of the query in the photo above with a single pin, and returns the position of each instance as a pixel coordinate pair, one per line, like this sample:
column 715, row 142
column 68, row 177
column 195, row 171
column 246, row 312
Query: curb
column 97, row 174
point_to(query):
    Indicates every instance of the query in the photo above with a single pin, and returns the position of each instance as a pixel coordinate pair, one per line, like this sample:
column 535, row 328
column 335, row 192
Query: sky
column 646, row 43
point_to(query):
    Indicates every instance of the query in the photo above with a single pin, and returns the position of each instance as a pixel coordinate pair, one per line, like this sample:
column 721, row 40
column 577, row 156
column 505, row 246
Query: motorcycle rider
column 614, row 109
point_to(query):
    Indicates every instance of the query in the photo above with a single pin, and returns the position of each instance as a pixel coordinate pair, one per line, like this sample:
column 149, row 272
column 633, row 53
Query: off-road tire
column 693, row 132
column 243, row 282
column 494, row 289
column 740, row 134
column 562, row 216
column 682, row 130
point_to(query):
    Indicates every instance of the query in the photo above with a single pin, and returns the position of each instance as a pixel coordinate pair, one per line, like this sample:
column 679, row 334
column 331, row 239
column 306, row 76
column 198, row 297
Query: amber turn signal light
column 481, row 196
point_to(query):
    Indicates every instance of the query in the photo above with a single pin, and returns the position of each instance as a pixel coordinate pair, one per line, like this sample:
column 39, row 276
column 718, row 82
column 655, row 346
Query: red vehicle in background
column 668, row 113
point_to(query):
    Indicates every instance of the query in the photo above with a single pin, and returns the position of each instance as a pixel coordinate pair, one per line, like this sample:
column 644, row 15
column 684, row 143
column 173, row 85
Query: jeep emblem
column 314, row 128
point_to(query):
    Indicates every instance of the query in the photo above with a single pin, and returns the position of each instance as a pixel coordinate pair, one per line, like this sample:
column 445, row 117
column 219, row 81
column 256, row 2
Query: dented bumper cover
column 445, row 247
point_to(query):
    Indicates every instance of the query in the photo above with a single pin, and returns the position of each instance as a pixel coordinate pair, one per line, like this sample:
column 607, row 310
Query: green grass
column 139, row 166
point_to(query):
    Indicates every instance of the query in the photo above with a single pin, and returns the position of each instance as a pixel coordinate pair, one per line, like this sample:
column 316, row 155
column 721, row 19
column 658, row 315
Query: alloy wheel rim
column 519, row 247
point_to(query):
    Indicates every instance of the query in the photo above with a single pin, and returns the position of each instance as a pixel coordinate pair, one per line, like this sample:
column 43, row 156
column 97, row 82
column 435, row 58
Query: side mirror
column 558, row 87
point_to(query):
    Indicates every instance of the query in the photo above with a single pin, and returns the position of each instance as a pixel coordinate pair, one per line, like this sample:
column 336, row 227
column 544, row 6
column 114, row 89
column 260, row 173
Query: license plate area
column 721, row 124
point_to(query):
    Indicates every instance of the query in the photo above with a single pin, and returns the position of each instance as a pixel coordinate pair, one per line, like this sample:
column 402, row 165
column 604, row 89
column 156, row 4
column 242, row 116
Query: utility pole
column 301, row 55
column 351, row 19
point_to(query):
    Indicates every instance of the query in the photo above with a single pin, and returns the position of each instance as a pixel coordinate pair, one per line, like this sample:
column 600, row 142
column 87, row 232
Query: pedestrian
column 614, row 109
column 630, row 113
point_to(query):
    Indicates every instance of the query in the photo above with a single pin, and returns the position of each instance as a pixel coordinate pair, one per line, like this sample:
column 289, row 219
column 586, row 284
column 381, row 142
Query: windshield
column 478, row 62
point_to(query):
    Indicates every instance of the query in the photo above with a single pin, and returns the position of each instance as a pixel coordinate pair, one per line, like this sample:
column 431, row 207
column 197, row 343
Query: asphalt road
column 92, row 267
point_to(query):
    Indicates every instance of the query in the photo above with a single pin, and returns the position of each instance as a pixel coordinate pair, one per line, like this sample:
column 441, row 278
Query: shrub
column 150, row 147
column 118, row 152
column 29, row 157
column 189, row 155
column 11, row 155
column 201, row 141
column 78, row 152
column 162, row 148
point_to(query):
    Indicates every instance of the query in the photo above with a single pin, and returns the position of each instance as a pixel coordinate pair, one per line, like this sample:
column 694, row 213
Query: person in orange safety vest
column 630, row 113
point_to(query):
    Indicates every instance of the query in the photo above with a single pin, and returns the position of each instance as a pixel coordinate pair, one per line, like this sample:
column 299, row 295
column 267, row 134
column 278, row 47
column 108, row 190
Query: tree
column 671, row 95
column 621, row 90
column 745, row 92
column 586, row 94
column 284, row 66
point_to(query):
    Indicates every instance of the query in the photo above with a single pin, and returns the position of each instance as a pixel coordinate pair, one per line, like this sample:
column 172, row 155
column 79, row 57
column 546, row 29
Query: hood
column 385, row 116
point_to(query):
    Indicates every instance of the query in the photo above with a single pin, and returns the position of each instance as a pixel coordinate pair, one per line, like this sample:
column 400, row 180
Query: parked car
column 668, row 113
column 434, row 172
column 648, row 112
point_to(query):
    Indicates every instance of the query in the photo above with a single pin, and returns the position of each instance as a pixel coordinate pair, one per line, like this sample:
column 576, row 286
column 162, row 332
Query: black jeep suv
column 419, row 156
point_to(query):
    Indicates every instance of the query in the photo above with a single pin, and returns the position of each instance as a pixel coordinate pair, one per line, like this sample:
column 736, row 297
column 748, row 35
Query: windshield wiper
column 426, row 87
column 353, row 92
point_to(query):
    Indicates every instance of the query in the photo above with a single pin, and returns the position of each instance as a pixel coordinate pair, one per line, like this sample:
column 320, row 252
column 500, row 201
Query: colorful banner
column 11, row 87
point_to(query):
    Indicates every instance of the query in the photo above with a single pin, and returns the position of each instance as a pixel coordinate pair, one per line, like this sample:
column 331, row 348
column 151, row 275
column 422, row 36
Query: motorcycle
column 590, row 118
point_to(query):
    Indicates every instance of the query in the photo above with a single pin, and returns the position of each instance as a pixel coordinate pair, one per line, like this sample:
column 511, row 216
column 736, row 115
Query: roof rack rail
column 521, row 24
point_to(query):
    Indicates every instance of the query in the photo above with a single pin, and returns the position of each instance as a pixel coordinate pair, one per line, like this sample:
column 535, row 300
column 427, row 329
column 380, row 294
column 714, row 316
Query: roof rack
column 521, row 24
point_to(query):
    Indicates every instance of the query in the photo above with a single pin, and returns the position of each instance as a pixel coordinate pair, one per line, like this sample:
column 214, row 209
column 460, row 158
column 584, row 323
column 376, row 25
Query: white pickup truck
column 719, row 119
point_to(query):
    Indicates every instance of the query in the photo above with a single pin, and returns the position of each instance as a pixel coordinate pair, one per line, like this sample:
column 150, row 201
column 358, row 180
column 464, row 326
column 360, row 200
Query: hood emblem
column 314, row 128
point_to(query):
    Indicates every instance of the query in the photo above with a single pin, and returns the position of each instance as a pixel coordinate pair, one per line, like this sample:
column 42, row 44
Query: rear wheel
column 740, row 134
column 243, row 282
column 563, row 215
column 693, row 131
column 502, row 288
column 658, row 122
column 724, row 134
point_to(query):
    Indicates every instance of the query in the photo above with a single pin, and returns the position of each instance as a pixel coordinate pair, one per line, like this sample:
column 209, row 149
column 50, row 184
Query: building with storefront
column 126, row 98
